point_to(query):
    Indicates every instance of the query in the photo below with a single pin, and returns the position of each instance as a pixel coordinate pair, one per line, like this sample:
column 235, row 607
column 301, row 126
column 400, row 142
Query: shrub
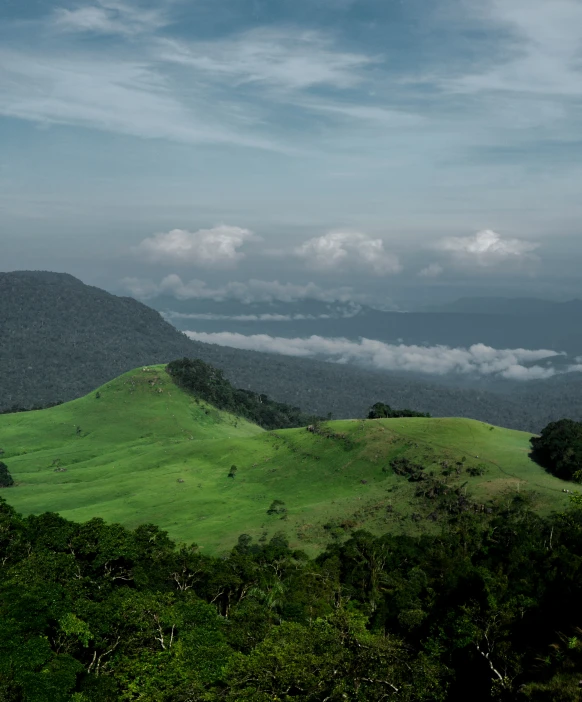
column 277, row 507
column 6, row 479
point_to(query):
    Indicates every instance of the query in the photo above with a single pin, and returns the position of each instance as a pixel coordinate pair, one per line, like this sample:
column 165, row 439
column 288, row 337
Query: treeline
column 380, row 410
column 486, row 610
column 34, row 408
column 209, row 384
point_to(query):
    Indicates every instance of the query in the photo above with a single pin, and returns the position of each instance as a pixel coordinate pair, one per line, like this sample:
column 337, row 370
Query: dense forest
column 487, row 609
column 60, row 339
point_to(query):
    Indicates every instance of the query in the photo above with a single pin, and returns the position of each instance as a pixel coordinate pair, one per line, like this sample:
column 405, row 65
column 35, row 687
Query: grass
column 141, row 450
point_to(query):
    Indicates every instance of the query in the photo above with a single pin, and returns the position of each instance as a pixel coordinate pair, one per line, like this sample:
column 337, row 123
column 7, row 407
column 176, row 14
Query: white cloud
column 433, row 270
column 114, row 95
column 109, row 17
column 487, row 248
column 338, row 249
column 286, row 59
column 214, row 248
column 478, row 359
column 540, row 51
column 252, row 291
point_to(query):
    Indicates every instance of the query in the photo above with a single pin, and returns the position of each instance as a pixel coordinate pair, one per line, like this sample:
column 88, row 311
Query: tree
column 559, row 449
column 277, row 507
column 6, row 479
column 383, row 411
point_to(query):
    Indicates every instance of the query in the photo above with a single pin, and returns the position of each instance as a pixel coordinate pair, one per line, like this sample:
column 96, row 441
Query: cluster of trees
column 209, row 384
column 487, row 609
column 559, row 449
column 382, row 411
column 6, row 479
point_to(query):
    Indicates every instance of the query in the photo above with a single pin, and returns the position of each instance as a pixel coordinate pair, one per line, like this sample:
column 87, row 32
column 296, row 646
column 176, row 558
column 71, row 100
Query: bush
column 559, row 448
column 277, row 507
column 6, row 479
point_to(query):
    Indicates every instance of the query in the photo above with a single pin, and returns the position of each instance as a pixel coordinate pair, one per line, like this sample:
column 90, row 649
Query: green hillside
column 141, row 450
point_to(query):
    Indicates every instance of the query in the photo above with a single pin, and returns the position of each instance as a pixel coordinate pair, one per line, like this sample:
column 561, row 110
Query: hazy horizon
column 406, row 151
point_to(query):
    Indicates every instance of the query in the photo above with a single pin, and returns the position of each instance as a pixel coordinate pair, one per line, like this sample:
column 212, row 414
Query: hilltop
column 140, row 449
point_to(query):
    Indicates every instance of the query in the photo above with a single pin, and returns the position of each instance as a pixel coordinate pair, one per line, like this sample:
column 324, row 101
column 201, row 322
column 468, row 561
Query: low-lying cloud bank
column 208, row 316
column 479, row 359
column 252, row 291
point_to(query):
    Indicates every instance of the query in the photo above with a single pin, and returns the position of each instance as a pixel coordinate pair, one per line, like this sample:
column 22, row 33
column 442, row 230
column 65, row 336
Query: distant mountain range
column 59, row 339
column 515, row 306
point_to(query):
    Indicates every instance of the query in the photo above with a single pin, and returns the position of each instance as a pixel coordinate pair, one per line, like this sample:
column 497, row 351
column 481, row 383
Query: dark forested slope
column 59, row 339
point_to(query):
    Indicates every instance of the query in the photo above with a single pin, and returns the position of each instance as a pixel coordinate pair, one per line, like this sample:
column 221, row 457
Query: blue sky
column 384, row 145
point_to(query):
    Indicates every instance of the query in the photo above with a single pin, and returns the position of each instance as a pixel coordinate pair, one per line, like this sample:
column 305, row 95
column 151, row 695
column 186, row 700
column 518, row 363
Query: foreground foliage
column 485, row 610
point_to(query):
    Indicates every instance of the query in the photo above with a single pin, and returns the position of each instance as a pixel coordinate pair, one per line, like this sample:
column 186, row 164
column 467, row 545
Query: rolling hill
column 139, row 450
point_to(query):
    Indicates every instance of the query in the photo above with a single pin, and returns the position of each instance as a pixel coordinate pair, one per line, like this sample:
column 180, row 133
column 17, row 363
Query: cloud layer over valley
column 477, row 360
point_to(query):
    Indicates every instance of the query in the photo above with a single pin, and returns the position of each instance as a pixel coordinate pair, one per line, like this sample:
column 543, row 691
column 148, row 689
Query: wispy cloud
column 287, row 58
column 539, row 51
column 110, row 17
column 247, row 293
column 478, row 360
column 123, row 96
column 265, row 317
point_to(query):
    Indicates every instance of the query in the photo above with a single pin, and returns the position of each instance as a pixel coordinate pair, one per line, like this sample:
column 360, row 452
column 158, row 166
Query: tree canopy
column 383, row 411
column 559, row 449
column 96, row 612
column 209, row 384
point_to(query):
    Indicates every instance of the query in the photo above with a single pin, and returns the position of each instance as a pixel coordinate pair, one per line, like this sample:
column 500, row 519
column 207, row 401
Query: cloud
column 247, row 293
column 287, row 59
column 539, row 53
column 253, row 317
column 109, row 17
column 487, row 248
column 479, row 359
column 339, row 249
column 433, row 270
column 213, row 248
column 127, row 96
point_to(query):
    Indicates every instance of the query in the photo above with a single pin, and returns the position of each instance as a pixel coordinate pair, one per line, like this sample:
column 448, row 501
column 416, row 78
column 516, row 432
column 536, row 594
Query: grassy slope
column 143, row 435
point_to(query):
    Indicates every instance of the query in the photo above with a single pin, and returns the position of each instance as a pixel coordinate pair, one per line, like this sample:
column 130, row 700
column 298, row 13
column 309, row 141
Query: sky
column 363, row 150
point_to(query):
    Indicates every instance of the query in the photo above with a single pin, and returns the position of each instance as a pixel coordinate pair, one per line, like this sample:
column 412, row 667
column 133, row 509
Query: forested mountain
column 59, row 339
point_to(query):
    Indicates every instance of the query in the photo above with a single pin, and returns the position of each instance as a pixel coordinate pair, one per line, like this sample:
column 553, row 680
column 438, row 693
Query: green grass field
column 141, row 450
